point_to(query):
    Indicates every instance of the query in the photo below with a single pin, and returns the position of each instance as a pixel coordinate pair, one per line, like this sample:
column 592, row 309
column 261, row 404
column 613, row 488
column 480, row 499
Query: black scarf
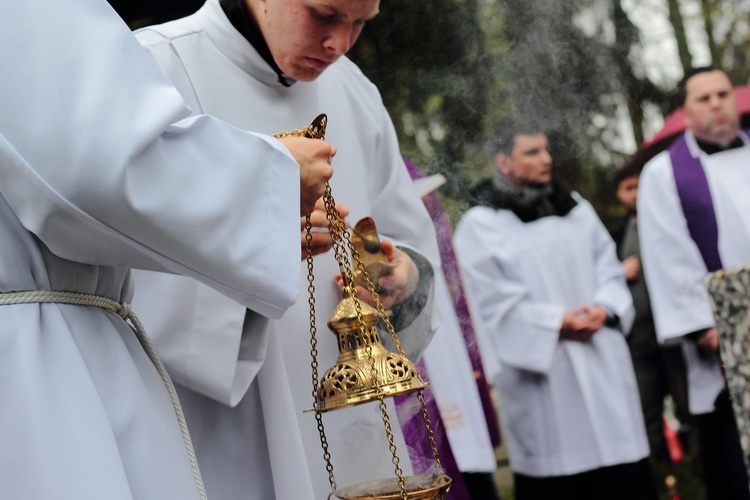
column 239, row 15
column 710, row 148
column 529, row 203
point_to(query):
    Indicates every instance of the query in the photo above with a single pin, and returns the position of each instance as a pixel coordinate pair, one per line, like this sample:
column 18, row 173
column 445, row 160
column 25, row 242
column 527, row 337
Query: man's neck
column 711, row 147
column 243, row 21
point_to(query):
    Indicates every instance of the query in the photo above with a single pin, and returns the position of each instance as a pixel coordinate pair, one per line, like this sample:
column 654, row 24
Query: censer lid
column 432, row 487
column 345, row 318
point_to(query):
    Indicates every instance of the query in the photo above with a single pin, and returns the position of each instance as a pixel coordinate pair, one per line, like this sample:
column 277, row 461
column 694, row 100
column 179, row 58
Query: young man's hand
column 314, row 158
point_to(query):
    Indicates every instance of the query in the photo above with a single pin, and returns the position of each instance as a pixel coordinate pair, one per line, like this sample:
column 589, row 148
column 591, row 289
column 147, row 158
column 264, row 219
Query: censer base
column 357, row 398
column 430, row 487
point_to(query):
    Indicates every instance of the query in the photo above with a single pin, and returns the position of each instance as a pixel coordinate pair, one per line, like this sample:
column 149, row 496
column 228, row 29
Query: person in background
column 659, row 369
column 693, row 208
column 544, row 277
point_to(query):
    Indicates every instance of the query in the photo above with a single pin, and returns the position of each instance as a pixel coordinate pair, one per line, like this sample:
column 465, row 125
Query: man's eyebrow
column 337, row 12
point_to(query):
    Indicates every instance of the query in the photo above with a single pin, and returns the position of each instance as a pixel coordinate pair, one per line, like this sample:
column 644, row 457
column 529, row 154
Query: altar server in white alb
column 273, row 65
column 542, row 274
column 100, row 170
column 694, row 217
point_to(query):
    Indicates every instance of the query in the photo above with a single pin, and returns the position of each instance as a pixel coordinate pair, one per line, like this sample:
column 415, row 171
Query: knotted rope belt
column 125, row 311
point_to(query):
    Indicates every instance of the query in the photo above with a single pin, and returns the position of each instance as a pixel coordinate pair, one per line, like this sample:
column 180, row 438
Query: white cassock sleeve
column 673, row 266
column 208, row 342
column 93, row 150
column 524, row 332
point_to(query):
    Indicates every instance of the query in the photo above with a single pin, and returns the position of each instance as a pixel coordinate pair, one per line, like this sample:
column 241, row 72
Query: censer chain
column 392, row 332
column 381, row 402
column 316, row 130
column 339, row 234
column 314, row 352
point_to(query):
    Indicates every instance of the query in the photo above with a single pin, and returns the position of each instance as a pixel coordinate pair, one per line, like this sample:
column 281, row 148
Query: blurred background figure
column 693, row 208
column 544, row 276
column 660, row 370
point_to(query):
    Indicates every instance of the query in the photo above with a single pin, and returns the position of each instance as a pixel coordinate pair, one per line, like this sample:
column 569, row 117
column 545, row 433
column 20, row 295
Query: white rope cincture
column 125, row 311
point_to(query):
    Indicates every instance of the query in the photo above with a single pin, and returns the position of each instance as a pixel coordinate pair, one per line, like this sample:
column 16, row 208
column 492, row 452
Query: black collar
column 242, row 20
column 558, row 202
column 710, row 148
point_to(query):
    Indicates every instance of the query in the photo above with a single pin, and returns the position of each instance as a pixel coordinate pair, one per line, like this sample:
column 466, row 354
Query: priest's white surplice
column 97, row 174
column 673, row 264
column 566, row 406
column 209, row 352
column 454, row 386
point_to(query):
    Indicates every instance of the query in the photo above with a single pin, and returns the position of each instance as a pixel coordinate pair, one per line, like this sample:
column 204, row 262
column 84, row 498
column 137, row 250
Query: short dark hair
column 681, row 91
column 503, row 140
column 631, row 168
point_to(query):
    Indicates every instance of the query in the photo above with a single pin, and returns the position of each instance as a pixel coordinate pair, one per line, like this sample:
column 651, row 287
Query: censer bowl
column 432, row 487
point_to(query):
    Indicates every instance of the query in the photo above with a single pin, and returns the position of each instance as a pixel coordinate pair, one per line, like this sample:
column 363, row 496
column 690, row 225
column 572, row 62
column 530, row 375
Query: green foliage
column 429, row 59
column 454, row 72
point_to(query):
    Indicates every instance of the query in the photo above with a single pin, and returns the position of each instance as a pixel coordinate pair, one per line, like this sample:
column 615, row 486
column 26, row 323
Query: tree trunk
column 678, row 25
column 707, row 10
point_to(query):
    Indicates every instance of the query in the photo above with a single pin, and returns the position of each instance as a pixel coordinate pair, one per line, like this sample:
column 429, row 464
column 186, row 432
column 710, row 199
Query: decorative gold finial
column 316, row 129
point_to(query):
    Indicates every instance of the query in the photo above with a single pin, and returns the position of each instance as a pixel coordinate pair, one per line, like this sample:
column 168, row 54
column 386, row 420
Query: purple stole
column 409, row 413
column 406, row 406
column 453, row 278
column 697, row 205
column 408, row 409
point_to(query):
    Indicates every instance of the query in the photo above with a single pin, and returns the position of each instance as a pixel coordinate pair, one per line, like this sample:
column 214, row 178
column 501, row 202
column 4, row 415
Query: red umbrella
column 674, row 125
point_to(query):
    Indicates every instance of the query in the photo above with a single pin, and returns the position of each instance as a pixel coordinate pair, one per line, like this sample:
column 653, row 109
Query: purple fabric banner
column 697, row 205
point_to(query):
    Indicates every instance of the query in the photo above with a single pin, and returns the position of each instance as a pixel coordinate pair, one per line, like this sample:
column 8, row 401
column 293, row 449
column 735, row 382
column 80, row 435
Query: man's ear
column 502, row 163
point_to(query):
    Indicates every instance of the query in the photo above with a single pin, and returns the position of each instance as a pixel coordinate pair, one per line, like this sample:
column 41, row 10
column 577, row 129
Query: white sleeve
column 524, row 333
column 611, row 288
column 673, row 266
column 97, row 164
column 208, row 342
column 402, row 218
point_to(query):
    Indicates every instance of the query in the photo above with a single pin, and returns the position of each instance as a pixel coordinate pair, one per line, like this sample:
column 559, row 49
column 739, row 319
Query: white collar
column 233, row 45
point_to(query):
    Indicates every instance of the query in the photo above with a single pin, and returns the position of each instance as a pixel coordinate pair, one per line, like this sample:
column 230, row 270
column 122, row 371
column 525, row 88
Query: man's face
column 307, row 36
column 627, row 192
column 529, row 161
column 711, row 111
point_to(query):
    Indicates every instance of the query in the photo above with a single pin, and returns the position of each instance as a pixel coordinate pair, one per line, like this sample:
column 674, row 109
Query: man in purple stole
column 694, row 217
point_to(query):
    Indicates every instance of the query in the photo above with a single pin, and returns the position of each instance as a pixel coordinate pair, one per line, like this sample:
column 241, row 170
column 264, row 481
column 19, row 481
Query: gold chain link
column 428, row 424
column 315, row 130
column 314, row 352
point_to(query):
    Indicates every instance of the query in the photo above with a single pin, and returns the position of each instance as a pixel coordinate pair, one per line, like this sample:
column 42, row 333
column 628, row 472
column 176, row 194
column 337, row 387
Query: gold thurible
column 365, row 371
